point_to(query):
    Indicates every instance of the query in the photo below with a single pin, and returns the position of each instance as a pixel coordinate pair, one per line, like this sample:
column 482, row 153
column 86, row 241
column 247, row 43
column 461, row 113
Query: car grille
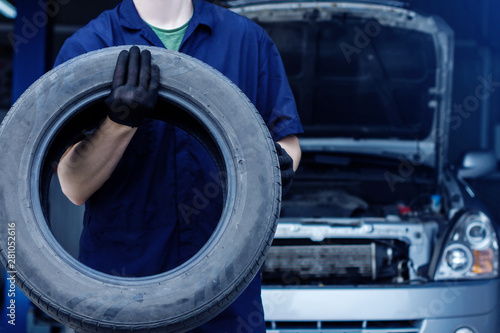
column 400, row 326
column 326, row 262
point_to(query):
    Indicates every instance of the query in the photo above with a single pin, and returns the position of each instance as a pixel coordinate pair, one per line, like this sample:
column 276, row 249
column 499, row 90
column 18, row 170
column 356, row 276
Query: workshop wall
column 477, row 55
column 476, row 27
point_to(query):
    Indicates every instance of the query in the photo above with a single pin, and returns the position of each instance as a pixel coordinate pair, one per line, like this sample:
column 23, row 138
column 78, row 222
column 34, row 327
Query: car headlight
column 471, row 250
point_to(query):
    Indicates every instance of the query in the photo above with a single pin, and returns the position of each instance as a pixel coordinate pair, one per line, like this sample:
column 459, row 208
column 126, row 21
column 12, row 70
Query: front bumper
column 438, row 307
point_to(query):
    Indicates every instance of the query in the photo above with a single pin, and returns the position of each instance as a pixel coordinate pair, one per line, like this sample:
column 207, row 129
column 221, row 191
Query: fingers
column 284, row 159
column 286, row 167
column 145, row 71
column 120, row 70
column 287, row 176
column 133, row 65
column 154, row 84
column 278, row 148
column 286, row 162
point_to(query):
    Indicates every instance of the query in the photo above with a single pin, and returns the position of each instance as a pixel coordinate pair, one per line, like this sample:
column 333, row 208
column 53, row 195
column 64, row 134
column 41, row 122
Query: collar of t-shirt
column 205, row 15
column 171, row 38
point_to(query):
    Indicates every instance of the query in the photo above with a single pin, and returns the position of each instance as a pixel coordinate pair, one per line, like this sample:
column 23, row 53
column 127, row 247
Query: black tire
column 2, row 287
column 215, row 111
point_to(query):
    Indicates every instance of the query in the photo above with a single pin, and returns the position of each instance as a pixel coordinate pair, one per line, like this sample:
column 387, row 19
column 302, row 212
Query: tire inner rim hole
column 64, row 219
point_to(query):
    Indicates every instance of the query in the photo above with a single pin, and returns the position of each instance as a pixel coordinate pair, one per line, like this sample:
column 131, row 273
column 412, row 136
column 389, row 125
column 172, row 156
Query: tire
column 54, row 109
column 3, row 287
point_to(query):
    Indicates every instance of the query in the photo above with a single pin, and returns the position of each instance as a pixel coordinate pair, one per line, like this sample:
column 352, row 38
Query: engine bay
column 356, row 185
column 342, row 224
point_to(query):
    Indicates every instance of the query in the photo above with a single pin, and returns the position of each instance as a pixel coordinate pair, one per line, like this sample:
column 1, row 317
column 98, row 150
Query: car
column 379, row 233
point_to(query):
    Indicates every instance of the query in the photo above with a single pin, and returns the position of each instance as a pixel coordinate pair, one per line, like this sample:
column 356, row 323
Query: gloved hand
column 134, row 90
column 286, row 166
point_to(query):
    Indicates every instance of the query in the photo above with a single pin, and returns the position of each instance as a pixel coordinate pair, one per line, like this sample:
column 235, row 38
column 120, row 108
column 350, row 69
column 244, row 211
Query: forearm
column 88, row 164
column 291, row 145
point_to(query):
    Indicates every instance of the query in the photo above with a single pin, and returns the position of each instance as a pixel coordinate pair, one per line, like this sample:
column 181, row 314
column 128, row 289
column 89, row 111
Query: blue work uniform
column 154, row 212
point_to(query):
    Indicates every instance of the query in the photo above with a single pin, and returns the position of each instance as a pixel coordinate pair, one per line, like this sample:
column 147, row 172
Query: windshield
column 356, row 78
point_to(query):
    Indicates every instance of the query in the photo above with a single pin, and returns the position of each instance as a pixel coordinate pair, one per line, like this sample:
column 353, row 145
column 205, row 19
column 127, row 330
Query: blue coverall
column 133, row 225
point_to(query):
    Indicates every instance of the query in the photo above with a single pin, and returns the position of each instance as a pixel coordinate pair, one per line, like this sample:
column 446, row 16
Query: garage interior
column 477, row 54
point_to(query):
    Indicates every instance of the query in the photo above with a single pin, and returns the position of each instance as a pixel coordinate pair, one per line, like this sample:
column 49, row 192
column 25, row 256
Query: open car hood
column 367, row 78
column 238, row 3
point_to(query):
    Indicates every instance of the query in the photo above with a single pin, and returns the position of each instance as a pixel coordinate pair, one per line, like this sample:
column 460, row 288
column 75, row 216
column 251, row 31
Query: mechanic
column 140, row 174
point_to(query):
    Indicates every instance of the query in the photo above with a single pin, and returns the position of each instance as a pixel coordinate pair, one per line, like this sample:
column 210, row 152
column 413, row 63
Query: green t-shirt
column 171, row 38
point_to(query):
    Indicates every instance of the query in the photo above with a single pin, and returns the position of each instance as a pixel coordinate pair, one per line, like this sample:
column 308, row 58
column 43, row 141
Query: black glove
column 134, row 90
column 286, row 166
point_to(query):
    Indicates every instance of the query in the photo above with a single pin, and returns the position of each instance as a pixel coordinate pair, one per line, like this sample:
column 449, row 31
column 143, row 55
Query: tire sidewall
column 179, row 299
